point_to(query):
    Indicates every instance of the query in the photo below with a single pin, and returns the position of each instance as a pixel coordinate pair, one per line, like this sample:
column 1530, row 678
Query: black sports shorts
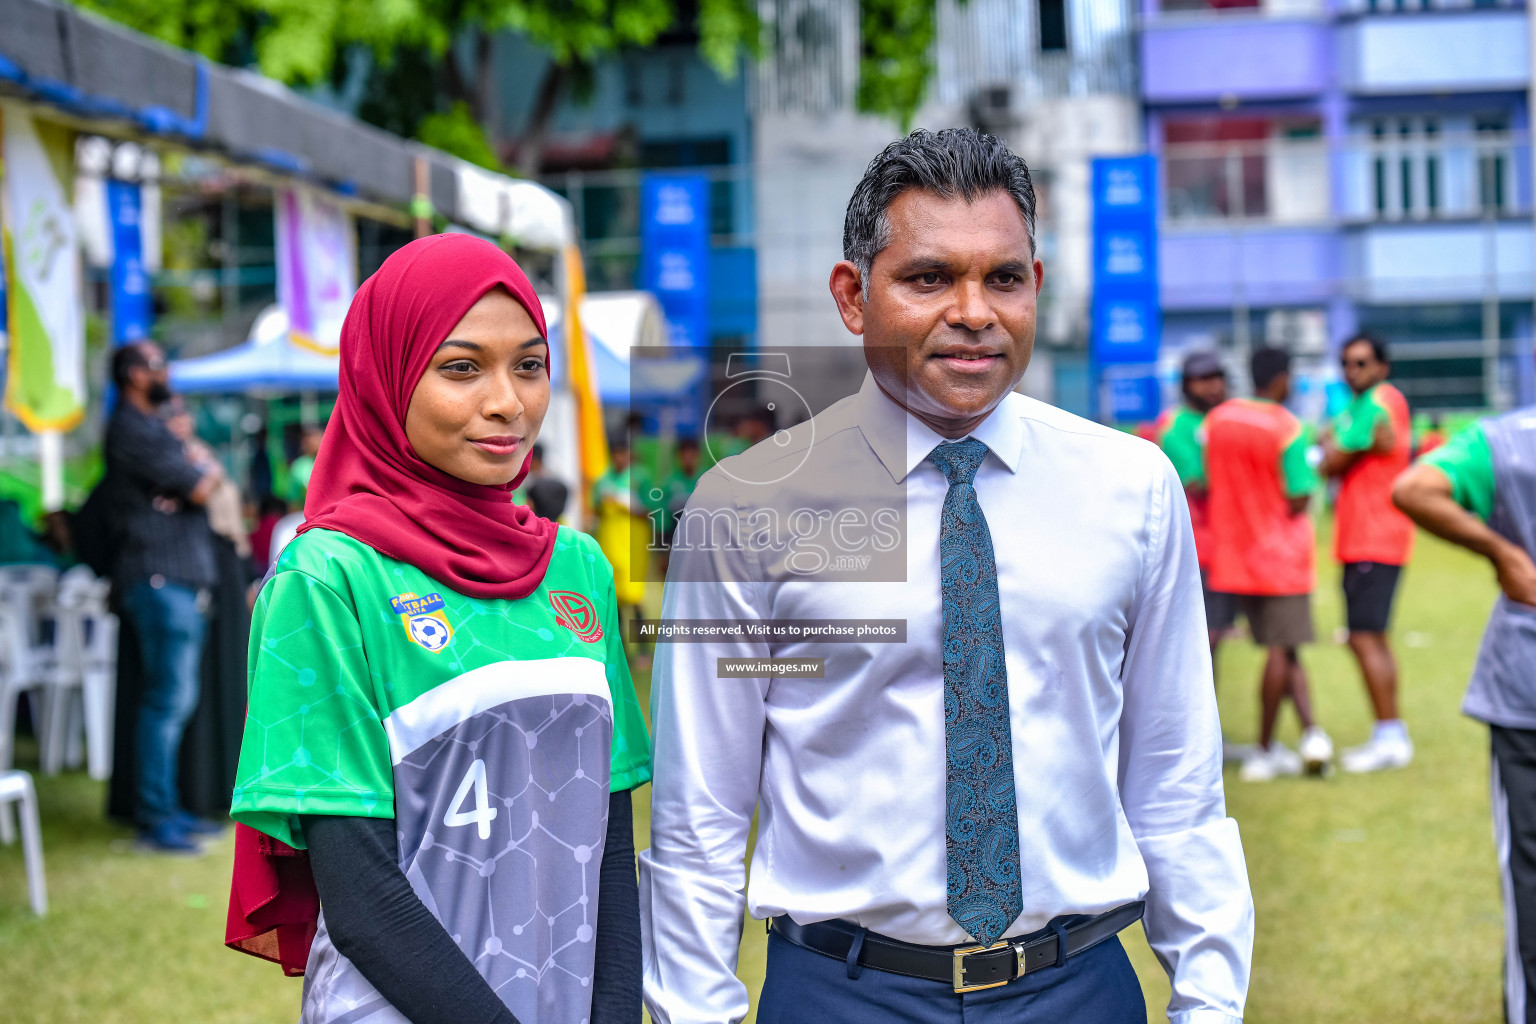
column 1368, row 591
column 1220, row 608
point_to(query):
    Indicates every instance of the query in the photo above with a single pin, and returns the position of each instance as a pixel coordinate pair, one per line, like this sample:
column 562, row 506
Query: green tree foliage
column 217, row 29
column 896, row 58
column 430, row 70
column 429, row 73
column 457, row 132
column 727, row 28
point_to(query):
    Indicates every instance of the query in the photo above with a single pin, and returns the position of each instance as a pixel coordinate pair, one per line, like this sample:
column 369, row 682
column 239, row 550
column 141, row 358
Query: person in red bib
column 1180, row 433
column 1369, row 445
column 1260, row 484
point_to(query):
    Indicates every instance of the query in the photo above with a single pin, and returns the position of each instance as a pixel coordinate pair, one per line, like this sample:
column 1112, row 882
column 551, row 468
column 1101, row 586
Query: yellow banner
column 592, row 437
column 45, row 383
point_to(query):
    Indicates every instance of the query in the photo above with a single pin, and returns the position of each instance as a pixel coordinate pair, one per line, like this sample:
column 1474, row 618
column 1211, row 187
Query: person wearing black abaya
column 211, row 744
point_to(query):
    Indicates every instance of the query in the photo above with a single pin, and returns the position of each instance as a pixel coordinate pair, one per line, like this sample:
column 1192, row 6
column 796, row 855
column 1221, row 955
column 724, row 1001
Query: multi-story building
column 660, row 108
column 1334, row 165
column 783, row 146
column 1056, row 78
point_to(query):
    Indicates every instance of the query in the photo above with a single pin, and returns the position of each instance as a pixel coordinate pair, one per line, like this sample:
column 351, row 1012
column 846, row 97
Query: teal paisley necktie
column 981, row 826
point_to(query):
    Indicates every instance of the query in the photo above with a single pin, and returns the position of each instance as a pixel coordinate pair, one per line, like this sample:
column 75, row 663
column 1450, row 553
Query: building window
column 677, row 76
column 1492, row 163
column 1053, row 25
column 1431, row 166
column 1422, row 168
column 1401, row 6
column 1379, row 173
column 708, row 152
column 1176, row 6
column 1245, row 168
column 634, row 91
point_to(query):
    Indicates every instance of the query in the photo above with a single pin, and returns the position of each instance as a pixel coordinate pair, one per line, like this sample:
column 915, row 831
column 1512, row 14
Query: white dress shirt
column 1116, row 740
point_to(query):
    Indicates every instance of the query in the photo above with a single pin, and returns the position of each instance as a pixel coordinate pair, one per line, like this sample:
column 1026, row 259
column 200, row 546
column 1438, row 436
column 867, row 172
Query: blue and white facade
column 1055, row 78
column 658, row 110
column 1334, row 165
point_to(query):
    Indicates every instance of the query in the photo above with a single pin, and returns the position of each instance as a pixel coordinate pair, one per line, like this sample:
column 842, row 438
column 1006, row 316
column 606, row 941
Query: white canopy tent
column 270, row 360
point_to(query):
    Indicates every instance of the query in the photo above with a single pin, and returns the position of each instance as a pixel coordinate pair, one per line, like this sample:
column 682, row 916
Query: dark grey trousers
column 1098, row 986
column 1514, row 833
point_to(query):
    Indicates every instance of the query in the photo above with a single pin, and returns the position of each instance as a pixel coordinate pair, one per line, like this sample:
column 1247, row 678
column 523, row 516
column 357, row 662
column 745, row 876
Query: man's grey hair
column 953, row 162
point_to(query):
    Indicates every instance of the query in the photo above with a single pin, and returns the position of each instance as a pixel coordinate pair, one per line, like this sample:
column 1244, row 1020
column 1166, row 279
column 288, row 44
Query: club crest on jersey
column 425, row 621
column 575, row 613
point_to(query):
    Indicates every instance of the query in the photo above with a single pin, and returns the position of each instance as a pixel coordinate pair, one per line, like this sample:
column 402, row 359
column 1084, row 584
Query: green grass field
column 1377, row 896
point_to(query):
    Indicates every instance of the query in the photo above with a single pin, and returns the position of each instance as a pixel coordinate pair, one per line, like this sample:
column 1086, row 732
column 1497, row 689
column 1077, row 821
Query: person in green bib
column 678, row 486
column 441, row 720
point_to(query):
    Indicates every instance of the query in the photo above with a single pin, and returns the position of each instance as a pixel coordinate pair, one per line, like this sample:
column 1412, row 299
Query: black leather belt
column 967, row 968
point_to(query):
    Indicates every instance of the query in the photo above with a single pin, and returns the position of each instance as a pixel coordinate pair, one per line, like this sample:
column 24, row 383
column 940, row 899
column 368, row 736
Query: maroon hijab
column 368, row 483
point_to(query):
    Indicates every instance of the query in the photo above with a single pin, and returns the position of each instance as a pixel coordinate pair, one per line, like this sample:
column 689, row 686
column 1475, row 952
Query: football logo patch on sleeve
column 575, row 613
column 425, row 621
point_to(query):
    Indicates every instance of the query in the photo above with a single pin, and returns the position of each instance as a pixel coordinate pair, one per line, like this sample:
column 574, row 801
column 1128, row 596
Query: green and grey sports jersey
column 491, row 731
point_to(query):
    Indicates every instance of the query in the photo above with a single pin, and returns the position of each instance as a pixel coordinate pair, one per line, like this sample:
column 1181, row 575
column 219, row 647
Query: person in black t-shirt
column 162, row 569
column 546, row 495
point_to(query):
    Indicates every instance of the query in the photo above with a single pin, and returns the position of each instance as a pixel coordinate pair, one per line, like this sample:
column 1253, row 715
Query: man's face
column 1206, row 393
column 152, row 379
column 1362, row 370
column 752, row 429
column 949, row 323
column 312, row 438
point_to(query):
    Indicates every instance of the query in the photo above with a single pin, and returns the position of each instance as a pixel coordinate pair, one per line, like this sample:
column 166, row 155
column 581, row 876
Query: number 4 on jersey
column 483, row 814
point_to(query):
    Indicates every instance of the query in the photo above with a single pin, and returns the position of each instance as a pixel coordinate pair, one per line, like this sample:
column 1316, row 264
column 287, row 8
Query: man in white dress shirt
column 953, row 827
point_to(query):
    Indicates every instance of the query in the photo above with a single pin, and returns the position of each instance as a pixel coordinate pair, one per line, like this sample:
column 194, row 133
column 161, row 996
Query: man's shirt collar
column 901, row 441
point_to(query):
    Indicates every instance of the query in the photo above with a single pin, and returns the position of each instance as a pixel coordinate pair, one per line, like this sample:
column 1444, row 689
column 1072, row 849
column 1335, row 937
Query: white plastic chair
column 27, row 663
column 39, row 580
column 85, row 662
column 36, row 585
column 16, row 787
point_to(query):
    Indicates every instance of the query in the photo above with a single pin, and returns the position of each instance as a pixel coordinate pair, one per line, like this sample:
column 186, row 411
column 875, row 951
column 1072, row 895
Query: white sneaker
column 1287, row 761
column 1316, row 751
column 1378, row 755
column 1263, row 765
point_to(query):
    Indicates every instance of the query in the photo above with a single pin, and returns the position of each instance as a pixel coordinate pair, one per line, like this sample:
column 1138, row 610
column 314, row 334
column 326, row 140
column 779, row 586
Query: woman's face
column 477, row 410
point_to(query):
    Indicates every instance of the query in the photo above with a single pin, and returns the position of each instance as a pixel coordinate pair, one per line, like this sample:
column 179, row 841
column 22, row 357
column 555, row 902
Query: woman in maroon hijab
column 442, row 732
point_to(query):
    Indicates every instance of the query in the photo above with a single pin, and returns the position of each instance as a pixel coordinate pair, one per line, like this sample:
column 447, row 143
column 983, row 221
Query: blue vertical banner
column 132, row 308
column 5, row 339
column 1127, row 319
column 674, row 252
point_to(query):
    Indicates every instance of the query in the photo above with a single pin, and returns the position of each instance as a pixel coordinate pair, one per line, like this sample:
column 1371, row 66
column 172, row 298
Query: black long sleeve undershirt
column 617, row 975
column 377, row 921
